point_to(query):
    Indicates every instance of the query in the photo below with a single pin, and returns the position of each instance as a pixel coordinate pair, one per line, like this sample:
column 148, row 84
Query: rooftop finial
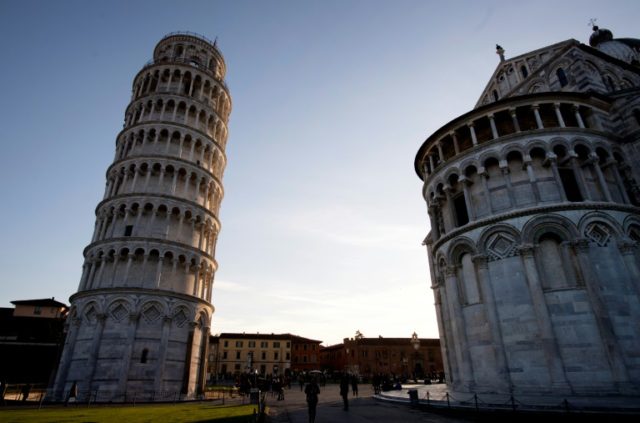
column 592, row 23
column 500, row 52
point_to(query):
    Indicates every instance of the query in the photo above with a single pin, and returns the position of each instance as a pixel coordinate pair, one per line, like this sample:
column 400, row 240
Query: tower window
column 144, row 356
column 462, row 216
column 570, row 185
column 524, row 71
column 562, row 77
column 128, row 230
column 495, row 95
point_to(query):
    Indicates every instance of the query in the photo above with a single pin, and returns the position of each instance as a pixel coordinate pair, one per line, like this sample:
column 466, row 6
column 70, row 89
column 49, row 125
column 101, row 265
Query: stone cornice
column 167, row 158
column 146, row 197
column 526, row 135
column 131, row 242
column 530, row 211
column 171, row 124
column 123, row 291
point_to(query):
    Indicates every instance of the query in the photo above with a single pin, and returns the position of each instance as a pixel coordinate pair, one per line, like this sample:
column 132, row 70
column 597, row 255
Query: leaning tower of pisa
column 140, row 320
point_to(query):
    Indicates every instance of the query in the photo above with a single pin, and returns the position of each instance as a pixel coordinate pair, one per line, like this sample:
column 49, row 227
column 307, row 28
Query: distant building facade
column 305, row 354
column 31, row 338
column 140, row 319
column 401, row 357
column 267, row 354
column 533, row 201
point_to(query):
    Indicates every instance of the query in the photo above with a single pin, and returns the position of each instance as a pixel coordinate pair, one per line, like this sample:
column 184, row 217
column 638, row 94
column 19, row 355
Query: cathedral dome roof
column 625, row 49
column 599, row 36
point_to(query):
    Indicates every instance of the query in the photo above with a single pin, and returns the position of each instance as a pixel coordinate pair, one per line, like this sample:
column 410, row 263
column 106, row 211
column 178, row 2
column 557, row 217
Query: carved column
column 482, row 172
column 532, row 177
column 444, row 327
column 552, row 159
column 472, row 131
column 67, row 357
column 451, row 208
column 92, row 359
column 608, row 337
column 456, row 147
column 514, row 120
column 628, row 251
column 132, row 328
column 188, row 358
column 504, row 169
column 577, row 171
column 548, row 341
column 613, row 165
column 595, row 161
column 576, row 110
column 459, row 332
column 556, row 107
column 162, row 353
column 465, row 182
column 494, row 130
column 536, row 114
column 484, row 279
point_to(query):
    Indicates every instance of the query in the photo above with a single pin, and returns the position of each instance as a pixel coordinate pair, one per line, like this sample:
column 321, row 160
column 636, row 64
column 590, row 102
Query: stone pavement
column 362, row 409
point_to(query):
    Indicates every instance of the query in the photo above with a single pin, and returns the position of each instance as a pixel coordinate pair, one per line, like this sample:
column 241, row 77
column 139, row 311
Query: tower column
column 550, row 347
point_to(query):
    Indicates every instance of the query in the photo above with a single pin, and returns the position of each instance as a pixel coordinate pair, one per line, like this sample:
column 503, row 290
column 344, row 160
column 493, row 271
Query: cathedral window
column 495, row 95
column 524, row 71
column 128, row 230
column 144, row 356
column 636, row 114
column 562, row 77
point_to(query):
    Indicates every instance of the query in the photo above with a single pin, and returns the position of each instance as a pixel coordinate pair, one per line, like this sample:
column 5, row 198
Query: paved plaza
column 363, row 408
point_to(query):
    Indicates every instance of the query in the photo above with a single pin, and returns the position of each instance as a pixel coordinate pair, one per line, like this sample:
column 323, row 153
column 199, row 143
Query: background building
column 31, row 337
column 400, row 357
column 140, row 319
column 269, row 354
column 305, row 354
column 533, row 202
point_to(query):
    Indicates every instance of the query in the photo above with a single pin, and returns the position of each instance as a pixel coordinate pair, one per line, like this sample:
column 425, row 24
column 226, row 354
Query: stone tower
column 140, row 319
column 535, row 226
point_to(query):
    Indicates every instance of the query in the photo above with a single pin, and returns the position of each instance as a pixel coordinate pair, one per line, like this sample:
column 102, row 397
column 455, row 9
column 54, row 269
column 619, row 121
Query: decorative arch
column 458, row 247
column 559, row 225
column 599, row 228
column 499, row 241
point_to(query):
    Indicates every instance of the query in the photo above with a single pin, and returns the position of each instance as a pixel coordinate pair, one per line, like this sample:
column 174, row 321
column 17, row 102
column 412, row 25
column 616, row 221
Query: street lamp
column 416, row 346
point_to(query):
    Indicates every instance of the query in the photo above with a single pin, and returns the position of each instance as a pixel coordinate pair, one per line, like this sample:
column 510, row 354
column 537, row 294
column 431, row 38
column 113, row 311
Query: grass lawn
column 193, row 412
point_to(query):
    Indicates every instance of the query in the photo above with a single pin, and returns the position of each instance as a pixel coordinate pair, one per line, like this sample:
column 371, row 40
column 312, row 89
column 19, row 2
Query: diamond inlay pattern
column 598, row 233
column 151, row 313
column 501, row 246
column 119, row 312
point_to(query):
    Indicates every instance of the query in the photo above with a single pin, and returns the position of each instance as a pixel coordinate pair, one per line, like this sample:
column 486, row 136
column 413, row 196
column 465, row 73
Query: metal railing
column 191, row 34
column 492, row 403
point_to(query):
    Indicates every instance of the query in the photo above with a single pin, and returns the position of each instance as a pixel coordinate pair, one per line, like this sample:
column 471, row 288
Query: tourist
column 344, row 391
column 354, row 385
column 312, row 390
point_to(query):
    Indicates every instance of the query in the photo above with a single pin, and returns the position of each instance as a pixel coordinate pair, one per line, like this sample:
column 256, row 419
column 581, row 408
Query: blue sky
column 322, row 217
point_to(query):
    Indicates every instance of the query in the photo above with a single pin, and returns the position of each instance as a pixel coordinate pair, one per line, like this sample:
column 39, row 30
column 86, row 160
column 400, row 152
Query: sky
column 323, row 219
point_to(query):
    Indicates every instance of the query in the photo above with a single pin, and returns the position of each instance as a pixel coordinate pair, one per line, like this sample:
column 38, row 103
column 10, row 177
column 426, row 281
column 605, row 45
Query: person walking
column 354, row 385
column 344, row 391
column 312, row 390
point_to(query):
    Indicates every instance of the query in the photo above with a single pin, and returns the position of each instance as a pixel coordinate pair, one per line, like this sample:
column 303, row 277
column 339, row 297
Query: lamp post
column 416, row 346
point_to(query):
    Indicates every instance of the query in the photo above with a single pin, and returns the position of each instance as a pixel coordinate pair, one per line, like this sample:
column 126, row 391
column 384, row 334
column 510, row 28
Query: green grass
column 194, row 412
